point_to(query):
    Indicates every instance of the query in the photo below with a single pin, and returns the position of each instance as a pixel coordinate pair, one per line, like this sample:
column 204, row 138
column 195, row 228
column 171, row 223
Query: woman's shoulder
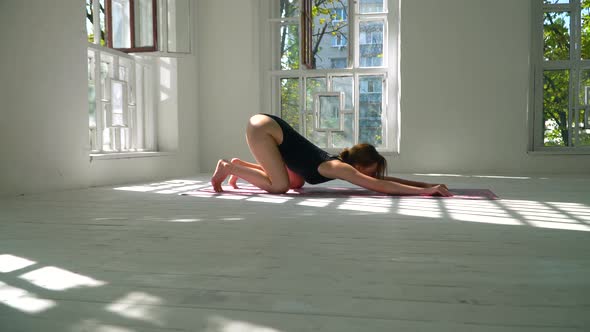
column 333, row 168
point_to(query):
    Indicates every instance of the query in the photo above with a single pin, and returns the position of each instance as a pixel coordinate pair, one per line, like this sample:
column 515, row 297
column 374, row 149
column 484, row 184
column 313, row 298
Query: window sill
column 559, row 152
column 127, row 155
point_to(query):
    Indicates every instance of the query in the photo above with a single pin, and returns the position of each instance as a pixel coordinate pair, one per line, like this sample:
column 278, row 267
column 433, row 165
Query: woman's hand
column 431, row 185
column 438, row 190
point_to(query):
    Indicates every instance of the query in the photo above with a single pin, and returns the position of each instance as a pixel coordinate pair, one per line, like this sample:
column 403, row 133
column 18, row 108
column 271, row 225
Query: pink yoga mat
column 338, row 192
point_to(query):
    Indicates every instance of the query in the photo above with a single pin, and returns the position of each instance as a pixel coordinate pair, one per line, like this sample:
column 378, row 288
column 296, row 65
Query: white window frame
column 574, row 64
column 139, row 131
column 390, row 70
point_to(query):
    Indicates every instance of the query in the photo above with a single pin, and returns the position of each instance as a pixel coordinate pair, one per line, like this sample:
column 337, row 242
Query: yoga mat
column 340, row 192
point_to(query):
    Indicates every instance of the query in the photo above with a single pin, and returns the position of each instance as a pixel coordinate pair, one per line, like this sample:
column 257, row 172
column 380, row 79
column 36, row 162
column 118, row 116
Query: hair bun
column 345, row 154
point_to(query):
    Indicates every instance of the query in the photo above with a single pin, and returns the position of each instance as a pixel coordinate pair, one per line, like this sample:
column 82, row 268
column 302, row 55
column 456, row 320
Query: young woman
column 286, row 160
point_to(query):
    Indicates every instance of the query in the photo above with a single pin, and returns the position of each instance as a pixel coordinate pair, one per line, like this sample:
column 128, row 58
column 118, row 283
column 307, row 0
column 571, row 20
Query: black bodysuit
column 300, row 155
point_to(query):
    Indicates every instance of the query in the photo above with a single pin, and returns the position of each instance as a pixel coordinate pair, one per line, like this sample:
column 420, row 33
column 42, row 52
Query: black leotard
column 300, row 155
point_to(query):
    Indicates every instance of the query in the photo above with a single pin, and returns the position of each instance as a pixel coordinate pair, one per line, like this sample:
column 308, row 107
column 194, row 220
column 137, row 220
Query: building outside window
column 341, row 49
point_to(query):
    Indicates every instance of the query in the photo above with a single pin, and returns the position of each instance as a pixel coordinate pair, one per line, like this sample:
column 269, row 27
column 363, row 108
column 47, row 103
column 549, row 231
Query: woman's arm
column 336, row 169
column 412, row 183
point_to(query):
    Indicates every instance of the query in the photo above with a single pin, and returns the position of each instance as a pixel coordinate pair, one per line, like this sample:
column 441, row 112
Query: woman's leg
column 233, row 180
column 263, row 135
column 295, row 181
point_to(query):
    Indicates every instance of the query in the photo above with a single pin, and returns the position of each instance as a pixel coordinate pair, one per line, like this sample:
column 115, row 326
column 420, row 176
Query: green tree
column 326, row 22
column 556, row 83
column 90, row 20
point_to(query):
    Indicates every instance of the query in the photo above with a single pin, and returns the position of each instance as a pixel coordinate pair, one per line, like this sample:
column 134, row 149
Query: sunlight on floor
column 23, row 300
column 9, row 263
column 377, row 205
column 92, row 325
column 138, row 305
column 553, row 215
column 54, row 278
column 221, row 324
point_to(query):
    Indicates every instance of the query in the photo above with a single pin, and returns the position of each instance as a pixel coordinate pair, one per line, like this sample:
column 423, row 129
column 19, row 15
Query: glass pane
column 584, row 87
column 118, row 103
column 103, row 29
column 329, row 112
column 556, row 1
column 144, row 23
column 556, row 36
column 370, row 6
column 121, row 28
column 290, row 97
column 346, row 138
column 555, row 107
column 89, row 21
column 371, row 110
column 289, row 8
column 330, row 34
column 344, row 84
column 179, row 26
column 289, row 47
column 91, row 105
column 583, row 127
column 371, row 43
column 585, row 30
column 313, row 85
column 316, row 137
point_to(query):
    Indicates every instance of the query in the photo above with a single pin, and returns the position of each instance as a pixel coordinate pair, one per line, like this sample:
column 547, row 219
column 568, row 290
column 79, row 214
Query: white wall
column 464, row 86
column 43, row 124
column 229, row 76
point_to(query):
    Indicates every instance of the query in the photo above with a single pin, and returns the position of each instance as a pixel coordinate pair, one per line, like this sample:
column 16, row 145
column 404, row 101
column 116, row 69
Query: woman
column 286, row 160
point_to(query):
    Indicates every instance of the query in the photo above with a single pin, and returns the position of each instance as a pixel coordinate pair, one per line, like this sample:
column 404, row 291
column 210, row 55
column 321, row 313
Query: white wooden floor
column 143, row 258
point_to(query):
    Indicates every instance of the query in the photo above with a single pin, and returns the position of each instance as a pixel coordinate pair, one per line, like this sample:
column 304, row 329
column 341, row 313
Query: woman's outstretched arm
column 412, row 183
column 338, row 170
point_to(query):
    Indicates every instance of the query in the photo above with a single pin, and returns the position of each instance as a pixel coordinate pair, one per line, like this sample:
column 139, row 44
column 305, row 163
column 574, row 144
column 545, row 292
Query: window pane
column 289, row 47
column 118, row 101
column 89, row 21
column 344, row 84
column 328, row 112
column 290, row 97
column 316, row 137
column 289, row 8
column 144, row 23
column 370, row 6
column 585, row 30
column 584, row 87
column 371, row 110
column 556, row 1
column 103, row 24
column 313, row 85
column 371, row 43
column 121, row 28
column 582, row 125
column 346, row 138
column 555, row 107
column 330, row 35
column 556, row 35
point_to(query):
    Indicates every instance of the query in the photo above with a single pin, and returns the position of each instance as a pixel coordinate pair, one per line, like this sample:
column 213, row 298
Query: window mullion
column 575, row 73
column 96, row 21
column 98, row 93
column 132, row 22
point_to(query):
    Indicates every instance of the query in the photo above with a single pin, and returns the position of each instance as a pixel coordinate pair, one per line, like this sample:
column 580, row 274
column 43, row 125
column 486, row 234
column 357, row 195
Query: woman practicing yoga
column 286, row 160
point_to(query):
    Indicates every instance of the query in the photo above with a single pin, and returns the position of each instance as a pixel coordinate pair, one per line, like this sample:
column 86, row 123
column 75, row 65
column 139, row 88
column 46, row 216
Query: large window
column 334, row 70
column 123, row 87
column 562, row 75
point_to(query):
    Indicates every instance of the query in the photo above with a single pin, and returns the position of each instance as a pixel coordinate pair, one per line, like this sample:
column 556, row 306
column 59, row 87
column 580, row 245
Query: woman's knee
column 278, row 189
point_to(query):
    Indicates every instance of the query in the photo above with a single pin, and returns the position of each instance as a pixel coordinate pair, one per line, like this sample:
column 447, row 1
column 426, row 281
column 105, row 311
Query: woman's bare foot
column 233, row 180
column 222, row 171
